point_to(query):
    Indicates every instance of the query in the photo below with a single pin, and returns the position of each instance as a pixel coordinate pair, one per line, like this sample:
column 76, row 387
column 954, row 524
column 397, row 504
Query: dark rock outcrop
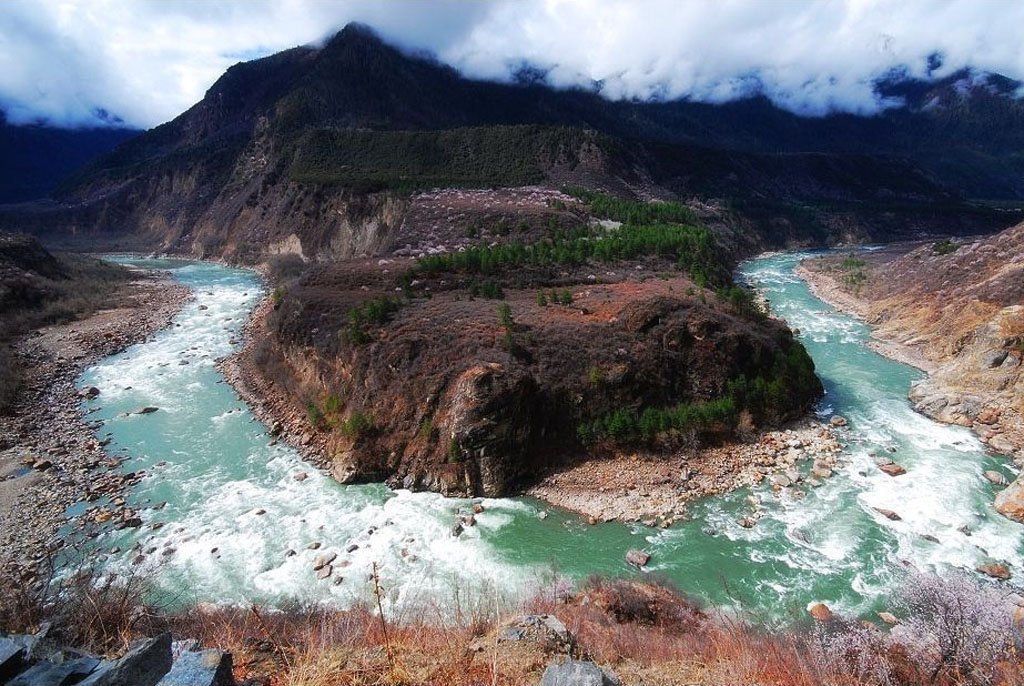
column 577, row 673
column 149, row 662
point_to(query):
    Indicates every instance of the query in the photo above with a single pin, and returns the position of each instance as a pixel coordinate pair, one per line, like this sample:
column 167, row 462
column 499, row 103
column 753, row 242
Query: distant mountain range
column 356, row 119
column 34, row 158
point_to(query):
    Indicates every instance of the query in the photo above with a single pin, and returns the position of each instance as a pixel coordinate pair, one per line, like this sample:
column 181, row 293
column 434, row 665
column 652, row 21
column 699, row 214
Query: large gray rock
column 144, row 665
column 577, row 673
column 993, row 358
column 206, row 668
column 12, row 656
column 56, row 674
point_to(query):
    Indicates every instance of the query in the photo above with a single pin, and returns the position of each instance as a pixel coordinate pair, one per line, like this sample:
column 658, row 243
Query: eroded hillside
column 519, row 338
column 956, row 309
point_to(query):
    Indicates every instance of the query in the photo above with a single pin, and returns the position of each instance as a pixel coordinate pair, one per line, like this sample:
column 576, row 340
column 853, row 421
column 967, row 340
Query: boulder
column 12, row 656
column 90, row 392
column 821, row 612
column 888, row 514
column 146, row 410
column 325, row 572
column 1010, row 500
column 547, row 630
column 892, row 469
column 888, row 618
column 45, row 673
column 838, row 421
column 206, row 668
column 1000, row 443
column 996, row 571
column 577, row 673
column 143, row 665
column 998, row 478
column 638, row 558
column 993, row 358
column 322, row 560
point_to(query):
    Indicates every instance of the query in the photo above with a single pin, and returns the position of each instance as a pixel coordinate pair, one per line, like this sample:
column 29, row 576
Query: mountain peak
column 355, row 33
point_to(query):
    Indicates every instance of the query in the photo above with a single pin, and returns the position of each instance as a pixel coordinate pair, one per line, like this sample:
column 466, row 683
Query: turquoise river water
column 214, row 466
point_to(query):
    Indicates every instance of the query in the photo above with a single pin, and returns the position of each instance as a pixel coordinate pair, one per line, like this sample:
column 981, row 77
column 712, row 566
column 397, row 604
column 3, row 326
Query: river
column 237, row 527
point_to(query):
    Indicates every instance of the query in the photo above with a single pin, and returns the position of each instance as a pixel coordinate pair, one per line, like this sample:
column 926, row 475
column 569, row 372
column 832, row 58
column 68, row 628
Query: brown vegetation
column 953, row 631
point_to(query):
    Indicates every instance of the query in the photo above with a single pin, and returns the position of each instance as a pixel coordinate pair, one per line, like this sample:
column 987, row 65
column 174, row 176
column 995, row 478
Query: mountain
column 319, row 151
column 34, row 158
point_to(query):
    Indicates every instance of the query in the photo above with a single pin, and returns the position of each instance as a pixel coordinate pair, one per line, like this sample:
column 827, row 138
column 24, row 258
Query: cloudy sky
column 147, row 60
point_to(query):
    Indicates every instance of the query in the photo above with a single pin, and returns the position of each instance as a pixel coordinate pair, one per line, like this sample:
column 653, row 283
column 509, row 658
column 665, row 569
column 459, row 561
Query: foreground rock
column 1010, row 501
column 149, row 662
column 821, row 612
column 206, row 668
column 577, row 673
column 996, row 571
column 547, row 631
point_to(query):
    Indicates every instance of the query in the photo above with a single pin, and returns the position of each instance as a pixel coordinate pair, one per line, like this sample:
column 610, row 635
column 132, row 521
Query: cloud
column 146, row 61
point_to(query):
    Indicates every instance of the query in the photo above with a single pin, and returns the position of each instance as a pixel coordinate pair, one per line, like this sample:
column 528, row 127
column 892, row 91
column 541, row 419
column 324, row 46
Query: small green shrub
column 944, row 247
column 313, row 414
column 356, row 424
column 505, row 316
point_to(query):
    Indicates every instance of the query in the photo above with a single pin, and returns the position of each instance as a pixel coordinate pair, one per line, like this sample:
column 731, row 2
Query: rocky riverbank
column 826, row 287
column 50, row 457
column 655, row 490
column 955, row 310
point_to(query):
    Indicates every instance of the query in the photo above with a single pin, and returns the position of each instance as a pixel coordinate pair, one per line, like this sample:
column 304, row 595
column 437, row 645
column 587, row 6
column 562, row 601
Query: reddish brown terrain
column 472, row 382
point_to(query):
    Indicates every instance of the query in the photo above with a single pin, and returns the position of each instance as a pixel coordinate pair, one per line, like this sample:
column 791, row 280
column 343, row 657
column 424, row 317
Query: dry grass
column 646, row 632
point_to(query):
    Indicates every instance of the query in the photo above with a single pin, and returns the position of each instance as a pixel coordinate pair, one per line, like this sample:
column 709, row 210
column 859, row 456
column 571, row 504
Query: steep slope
column 316, row 150
column 35, row 158
column 957, row 309
column 546, row 335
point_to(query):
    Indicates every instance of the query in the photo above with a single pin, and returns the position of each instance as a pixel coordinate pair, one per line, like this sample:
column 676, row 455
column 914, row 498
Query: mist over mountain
column 318, row 143
column 147, row 62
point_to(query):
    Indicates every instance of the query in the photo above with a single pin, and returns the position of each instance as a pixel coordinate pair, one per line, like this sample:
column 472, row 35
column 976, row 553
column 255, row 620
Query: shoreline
column 826, row 289
column 655, row 490
column 53, row 458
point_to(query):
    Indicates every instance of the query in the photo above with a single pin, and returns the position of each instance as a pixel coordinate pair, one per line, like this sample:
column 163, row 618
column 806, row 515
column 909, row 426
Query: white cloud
column 148, row 60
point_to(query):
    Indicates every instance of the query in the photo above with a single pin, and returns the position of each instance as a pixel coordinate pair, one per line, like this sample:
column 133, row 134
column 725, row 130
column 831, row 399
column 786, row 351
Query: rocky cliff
column 516, row 343
column 955, row 308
